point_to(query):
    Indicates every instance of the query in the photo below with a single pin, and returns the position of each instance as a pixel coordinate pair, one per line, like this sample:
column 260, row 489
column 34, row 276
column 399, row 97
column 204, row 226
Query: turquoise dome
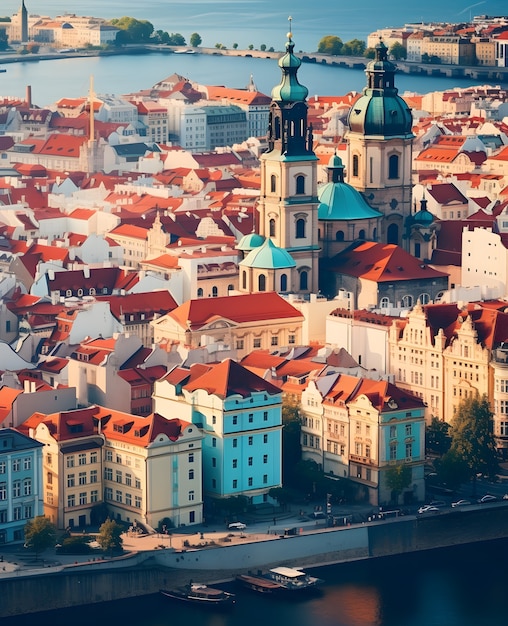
column 289, row 89
column 250, row 241
column 341, row 202
column 380, row 110
column 268, row 257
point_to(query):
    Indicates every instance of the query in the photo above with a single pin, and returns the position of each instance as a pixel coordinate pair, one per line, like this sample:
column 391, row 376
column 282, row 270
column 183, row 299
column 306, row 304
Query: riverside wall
column 146, row 572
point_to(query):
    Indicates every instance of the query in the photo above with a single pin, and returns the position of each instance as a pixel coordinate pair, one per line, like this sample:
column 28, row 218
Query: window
column 283, row 282
column 2, row 467
column 93, row 476
column 409, row 450
column 191, row 474
column 304, row 280
column 118, row 476
column 300, row 184
column 215, row 292
column 235, row 484
column 257, row 342
column 137, row 483
column 393, row 166
column 3, row 491
column 393, row 451
column 82, row 497
column 137, row 502
column 274, row 341
column 93, row 457
column 214, row 461
column 82, row 478
column 265, row 438
column 273, row 183
column 71, row 500
column 200, row 292
column 251, row 418
column 261, row 282
column 108, row 473
column 393, row 431
column 250, row 461
column 27, row 463
column 271, row 228
column 128, row 479
column 235, row 443
column 235, row 420
column 356, row 165
column 16, row 513
column 191, row 496
column 70, row 480
column 16, row 489
column 82, row 459
column 109, row 455
column 70, row 461
column 27, row 511
column 265, row 416
column 244, row 280
column 191, row 457
column 214, row 442
column 251, row 439
column 265, row 458
column 300, row 228
column 408, row 430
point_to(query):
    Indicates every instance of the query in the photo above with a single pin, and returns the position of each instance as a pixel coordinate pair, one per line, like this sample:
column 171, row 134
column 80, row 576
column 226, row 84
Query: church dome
column 250, row 241
column 380, row 110
column 289, row 89
column 340, row 201
column 268, row 257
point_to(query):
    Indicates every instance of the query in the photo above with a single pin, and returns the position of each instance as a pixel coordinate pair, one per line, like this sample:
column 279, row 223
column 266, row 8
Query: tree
column 370, row 53
column 283, row 495
column 4, row 44
column 132, row 30
column 262, row 47
column 473, row 437
column 234, row 46
column 425, row 58
column 291, row 445
column 437, row 436
column 40, row 534
column 398, row 478
column 109, row 537
column 451, row 470
column 161, row 36
column 355, row 48
column 195, row 40
column 251, row 46
column 330, row 44
column 175, row 39
column 398, row 51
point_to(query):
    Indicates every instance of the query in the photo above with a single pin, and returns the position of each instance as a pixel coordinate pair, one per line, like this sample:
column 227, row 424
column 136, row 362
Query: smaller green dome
column 268, row 257
column 250, row 241
column 339, row 201
column 289, row 89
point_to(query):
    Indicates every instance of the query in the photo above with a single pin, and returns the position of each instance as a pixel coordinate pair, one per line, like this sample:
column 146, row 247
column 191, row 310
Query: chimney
column 29, row 96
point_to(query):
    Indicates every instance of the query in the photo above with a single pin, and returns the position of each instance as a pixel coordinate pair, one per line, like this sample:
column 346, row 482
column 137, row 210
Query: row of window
column 19, row 488
column 119, row 478
column 250, row 481
column 18, row 513
column 122, row 498
column 17, row 465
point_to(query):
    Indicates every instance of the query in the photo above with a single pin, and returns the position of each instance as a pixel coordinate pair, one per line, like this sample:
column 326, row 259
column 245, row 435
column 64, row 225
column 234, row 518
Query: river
column 123, row 74
column 457, row 586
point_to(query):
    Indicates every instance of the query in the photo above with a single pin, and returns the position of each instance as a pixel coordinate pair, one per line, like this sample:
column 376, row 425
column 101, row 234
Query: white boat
column 200, row 594
column 292, row 579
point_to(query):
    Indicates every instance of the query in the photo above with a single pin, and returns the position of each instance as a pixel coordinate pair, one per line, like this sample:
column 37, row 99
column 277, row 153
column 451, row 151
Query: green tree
column 234, row 46
column 132, row 30
column 251, row 46
column 284, row 496
column 398, row 51
column 437, row 436
column 109, row 537
column 175, row 39
column 355, row 48
column 195, row 40
column 161, row 36
column 425, row 58
column 4, row 43
column 370, row 53
column 40, row 534
column 473, row 437
column 398, row 478
column 291, row 444
column 262, row 47
column 330, row 44
column 451, row 470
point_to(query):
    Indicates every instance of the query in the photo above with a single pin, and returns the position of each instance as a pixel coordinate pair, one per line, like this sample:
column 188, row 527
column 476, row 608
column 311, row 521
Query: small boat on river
column 203, row 595
column 279, row 580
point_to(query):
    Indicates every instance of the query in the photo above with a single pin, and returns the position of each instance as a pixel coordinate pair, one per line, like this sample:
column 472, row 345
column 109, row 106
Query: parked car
column 487, row 498
column 461, row 503
column 237, row 526
column 318, row 515
column 438, row 503
column 428, row 508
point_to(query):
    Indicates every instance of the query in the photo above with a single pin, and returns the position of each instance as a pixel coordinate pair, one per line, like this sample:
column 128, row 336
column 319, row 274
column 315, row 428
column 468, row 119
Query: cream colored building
column 451, row 50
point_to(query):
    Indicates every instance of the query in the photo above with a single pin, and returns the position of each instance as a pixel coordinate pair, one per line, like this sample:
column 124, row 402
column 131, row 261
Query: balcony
column 365, row 460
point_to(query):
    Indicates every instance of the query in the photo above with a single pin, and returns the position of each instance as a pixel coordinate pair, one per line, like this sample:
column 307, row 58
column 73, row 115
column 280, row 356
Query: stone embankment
column 144, row 572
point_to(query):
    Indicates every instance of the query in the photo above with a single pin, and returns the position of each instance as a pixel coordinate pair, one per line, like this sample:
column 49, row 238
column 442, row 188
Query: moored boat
column 259, row 583
column 201, row 594
column 292, row 579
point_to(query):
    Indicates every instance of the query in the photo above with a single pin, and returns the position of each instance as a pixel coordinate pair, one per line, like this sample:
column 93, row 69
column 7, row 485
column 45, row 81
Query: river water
column 60, row 78
column 457, row 586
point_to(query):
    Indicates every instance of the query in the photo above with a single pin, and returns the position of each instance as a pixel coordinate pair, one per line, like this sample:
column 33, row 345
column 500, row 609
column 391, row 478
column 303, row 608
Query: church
column 304, row 227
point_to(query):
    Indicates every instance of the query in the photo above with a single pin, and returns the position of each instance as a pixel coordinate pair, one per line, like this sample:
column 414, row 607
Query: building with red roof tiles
column 58, row 152
column 96, row 455
column 444, row 200
column 381, row 276
column 241, row 322
column 241, row 416
column 358, row 427
column 118, row 372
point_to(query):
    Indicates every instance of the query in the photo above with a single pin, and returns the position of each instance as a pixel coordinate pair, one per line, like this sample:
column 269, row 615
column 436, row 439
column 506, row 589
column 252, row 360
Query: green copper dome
column 380, row 110
column 268, row 257
column 341, row 202
column 289, row 89
column 250, row 241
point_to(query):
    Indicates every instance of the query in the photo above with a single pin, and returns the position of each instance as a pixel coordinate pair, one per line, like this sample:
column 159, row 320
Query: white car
column 461, row 503
column 237, row 526
column 428, row 508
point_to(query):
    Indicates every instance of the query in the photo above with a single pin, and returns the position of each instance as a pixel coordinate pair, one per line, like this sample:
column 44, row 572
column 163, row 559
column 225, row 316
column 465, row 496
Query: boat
column 292, row 579
column 259, row 583
column 203, row 595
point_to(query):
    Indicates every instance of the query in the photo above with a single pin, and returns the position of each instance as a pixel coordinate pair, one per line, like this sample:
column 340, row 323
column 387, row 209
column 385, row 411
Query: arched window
column 200, row 293
column 283, row 282
column 407, row 301
column 356, row 165
column 91, row 291
column 393, row 166
column 68, row 293
column 339, row 235
column 300, row 228
column 424, row 298
column 374, row 234
column 244, row 280
column 393, row 234
column 230, row 287
column 304, row 280
column 80, row 292
column 300, row 184
column 384, row 303
column 261, row 282
column 418, row 249
column 215, row 292
column 272, row 227
column 361, row 234
column 273, row 183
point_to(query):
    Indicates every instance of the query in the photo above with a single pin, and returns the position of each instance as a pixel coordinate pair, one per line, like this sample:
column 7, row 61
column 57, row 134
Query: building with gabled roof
column 242, row 322
column 240, row 414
